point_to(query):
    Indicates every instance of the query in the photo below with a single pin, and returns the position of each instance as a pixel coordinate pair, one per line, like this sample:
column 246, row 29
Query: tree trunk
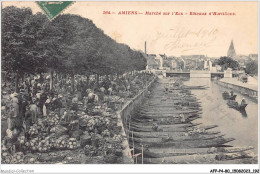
column 51, row 80
column 72, row 82
column 111, row 77
column 98, row 76
column 23, row 77
column 87, row 81
column 41, row 78
column 56, row 78
column 16, row 82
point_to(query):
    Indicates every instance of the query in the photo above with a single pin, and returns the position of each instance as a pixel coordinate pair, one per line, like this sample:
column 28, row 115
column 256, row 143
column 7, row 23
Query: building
column 156, row 61
column 152, row 63
column 231, row 51
column 193, row 62
column 163, row 56
column 242, row 59
column 160, row 58
column 193, row 57
column 174, row 63
column 207, row 65
column 253, row 56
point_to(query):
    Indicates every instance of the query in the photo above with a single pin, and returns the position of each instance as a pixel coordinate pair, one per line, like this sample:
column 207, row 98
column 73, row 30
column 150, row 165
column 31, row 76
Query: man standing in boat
column 231, row 94
column 243, row 102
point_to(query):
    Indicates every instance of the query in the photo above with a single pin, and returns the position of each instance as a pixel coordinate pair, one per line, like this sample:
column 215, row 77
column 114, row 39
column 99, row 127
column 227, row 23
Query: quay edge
column 123, row 115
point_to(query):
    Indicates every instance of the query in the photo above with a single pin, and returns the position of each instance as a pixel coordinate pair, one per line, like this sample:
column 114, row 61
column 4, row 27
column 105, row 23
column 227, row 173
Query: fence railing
column 125, row 115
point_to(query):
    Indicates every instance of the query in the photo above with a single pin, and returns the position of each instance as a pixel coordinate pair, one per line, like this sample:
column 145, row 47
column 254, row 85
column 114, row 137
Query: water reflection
column 241, row 125
column 244, row 114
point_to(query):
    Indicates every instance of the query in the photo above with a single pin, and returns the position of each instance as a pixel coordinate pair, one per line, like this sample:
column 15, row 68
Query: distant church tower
column 231, row 51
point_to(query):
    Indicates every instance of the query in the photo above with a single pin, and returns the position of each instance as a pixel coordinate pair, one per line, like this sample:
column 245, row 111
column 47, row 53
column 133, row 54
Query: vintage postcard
column 143, row 82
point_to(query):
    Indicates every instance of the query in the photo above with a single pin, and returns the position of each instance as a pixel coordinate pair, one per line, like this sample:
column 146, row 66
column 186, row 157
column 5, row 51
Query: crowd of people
column 36, row 98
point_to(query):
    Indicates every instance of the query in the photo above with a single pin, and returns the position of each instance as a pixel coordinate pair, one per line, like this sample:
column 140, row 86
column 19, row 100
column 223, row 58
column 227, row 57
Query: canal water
column 234, row 124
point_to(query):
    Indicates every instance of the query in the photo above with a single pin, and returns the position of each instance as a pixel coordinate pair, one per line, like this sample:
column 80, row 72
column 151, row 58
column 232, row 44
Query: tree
column 20, row 32
column 68, row 45
column 139, row 62
column 227, row 62
column 252, row 67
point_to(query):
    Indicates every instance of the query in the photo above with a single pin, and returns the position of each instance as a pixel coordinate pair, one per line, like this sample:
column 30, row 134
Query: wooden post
column 51, row 79
column 133, row 143
column 126, row 120
column 142, row 154
column 129, row 132
column 13, row 150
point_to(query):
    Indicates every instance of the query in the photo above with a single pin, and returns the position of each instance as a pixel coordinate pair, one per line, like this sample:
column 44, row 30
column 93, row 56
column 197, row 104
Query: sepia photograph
column 143, row 82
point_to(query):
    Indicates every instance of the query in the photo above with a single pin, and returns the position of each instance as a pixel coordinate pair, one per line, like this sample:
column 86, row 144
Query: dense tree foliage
column 70, row 44
column 22, row 34
column 252, row 67
column 227, row 62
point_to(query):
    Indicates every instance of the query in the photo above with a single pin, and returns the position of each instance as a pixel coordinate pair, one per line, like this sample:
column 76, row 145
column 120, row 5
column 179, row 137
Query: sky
column 173, row 35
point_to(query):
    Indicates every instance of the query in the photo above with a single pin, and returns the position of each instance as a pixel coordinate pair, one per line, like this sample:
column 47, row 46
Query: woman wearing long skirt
column 45, row 108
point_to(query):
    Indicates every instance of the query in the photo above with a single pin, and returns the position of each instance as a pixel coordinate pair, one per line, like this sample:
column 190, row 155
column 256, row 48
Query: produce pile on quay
column 162, row 130
column 71, row 126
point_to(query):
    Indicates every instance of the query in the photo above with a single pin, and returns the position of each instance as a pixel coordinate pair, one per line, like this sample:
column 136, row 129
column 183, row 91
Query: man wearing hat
column 20, row 99
column 14, row 121
column 43, row 97
column 34, row 110
column 57, row 104
column 47, row 106
column 15, row 104
column 23, row 106
column 75, row 103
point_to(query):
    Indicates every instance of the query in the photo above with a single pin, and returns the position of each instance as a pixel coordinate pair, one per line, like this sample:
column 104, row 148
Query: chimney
column 145, row 48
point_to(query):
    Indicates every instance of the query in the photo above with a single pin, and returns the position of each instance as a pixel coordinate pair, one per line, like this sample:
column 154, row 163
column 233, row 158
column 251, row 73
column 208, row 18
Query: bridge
column 206, row 74
column 198, row 73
